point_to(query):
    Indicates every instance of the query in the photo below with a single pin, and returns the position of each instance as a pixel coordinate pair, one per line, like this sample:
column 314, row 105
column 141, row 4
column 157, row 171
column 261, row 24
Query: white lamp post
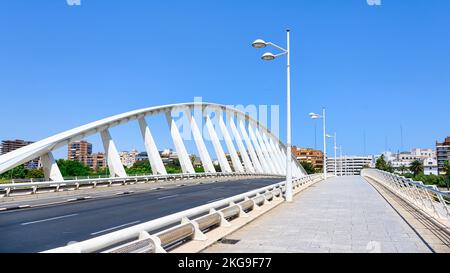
column 323, row 117
column 335, row 156
column 268, row 56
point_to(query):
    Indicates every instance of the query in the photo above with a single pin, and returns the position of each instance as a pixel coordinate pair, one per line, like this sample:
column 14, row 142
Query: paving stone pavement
column 339, row 215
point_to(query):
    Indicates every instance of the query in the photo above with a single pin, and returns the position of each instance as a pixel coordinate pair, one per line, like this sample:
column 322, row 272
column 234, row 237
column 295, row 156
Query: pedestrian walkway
column 341, row 214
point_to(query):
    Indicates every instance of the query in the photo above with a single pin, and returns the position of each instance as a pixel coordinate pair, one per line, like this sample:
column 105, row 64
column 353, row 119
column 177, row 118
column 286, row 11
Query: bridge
column 237, row 209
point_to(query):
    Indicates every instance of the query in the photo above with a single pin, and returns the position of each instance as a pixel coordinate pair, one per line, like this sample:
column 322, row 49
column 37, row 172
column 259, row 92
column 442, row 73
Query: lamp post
column 268, row 56
column 323, row 117
column 335, row 156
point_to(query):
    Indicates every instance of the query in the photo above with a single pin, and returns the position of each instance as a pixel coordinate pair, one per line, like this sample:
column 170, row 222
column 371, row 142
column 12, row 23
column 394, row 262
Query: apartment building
column 11, row 145
column 312, row 156
column 442, row 154
column 348, row 165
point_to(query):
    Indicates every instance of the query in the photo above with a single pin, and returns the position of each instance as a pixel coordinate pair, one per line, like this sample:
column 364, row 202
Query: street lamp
column 268, row 56
column 323, row 117
column 335, row 156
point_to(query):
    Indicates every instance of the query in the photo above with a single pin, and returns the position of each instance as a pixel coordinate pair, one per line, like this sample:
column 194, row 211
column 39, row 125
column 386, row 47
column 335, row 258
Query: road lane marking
column 49, row 219
column 166, row 197
column 116, row 227
column 215, row 200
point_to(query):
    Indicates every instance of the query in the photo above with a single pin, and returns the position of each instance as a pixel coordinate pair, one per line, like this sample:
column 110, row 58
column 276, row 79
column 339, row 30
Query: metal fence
column 160, row 234
column 55, row 186
column 427, row 198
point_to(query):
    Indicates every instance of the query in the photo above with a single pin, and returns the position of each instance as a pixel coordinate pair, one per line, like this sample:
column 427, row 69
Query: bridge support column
column 51, row 169
column 152, row 151
column 275, row 153
column 183, row 157
column 270, row 163
column 112, row 156
column 247, row 163
column 233, row 154
column 283, row 156
column 201, row 147
column 224, row 165
column 271, row 153
column 254, row 157
column 262, row 159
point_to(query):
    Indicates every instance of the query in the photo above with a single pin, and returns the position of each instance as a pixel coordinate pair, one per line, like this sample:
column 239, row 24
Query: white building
column 424, row 153
column 430, row 166
column 128, row 158
column 348, row 165
column 397, row 160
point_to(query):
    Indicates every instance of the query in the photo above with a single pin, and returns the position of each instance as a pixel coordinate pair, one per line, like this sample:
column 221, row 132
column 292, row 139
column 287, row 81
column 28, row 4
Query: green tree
column 381, row 164
column 447, row 172
column 35, row 173
column 416, row 167
column 140, row 167
column 172, row 168
column 309, row 168
column 15, row 173
column 73, row 168
column 199, row 169
column 402, row 169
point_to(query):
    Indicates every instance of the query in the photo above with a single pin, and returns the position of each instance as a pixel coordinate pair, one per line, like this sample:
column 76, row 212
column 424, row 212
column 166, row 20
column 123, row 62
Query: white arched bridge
column 257, row 150
column 374, row 212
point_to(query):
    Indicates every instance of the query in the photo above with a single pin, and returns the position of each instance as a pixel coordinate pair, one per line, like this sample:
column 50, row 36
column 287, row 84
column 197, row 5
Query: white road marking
column 108, row 229
column 49, row 219
column 215, row 200
column 170, row 196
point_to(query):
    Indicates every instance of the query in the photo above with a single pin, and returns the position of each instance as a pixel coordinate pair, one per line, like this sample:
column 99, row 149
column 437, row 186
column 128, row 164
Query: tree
column 73, row 168
column 381, row 164
column 35, row 173
column 416, row 167
column 446, row 169
column 402, row 169
column 17, row 172
column 309, row 168
column 140, row 167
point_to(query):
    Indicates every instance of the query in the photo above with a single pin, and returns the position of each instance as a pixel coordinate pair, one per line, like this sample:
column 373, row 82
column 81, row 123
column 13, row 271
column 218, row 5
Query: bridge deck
column 341, row 214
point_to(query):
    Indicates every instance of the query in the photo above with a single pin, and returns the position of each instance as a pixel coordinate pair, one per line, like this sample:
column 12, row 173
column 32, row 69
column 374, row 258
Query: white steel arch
column 264, row 156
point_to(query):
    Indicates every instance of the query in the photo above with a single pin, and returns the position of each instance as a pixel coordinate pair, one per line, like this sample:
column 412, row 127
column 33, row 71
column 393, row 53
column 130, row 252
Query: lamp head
column 268, row 56
column 314, row 115
column 259, row 43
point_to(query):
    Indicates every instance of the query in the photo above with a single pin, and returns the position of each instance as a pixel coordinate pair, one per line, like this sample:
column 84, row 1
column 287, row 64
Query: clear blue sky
column 374, row 68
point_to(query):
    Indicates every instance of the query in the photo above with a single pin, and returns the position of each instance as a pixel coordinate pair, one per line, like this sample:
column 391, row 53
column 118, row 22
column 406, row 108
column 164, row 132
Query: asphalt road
column 39, row 229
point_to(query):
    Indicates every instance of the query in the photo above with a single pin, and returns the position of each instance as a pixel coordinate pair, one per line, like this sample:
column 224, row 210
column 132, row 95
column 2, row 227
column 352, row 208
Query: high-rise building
column 98, row 161
column 80, row 151
column 11, row 145
column 442, row 154
column 314, row 157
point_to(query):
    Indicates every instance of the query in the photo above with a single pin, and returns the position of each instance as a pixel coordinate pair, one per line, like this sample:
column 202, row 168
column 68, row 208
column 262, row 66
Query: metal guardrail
column 55, row 186
column 140, row 238
column 427, row 198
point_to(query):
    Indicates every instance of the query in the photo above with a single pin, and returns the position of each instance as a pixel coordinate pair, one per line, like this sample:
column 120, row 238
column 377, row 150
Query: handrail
column 141, row 233
column 8, row 188
column 428, row 198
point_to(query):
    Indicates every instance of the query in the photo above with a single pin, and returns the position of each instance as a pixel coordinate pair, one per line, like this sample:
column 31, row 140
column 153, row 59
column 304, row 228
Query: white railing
column 158, row 235
column 55, row 186
column 428, row 198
